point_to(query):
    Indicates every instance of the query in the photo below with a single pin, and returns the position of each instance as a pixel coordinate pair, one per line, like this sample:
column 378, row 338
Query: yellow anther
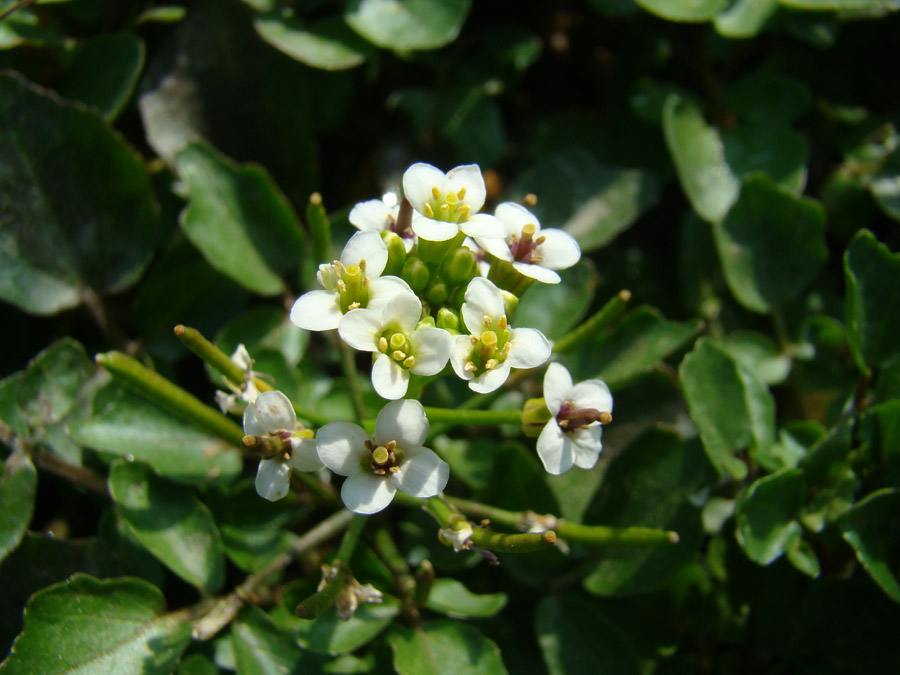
column 362, row 264
column 383, row 345
column 390, row 445
column 398, row 355
column 506, row 348
column 341, row 286
column 381, row 455
column 501, row 324
column 470, row 366
column 393, row 469
column 487, row 321
column 461, row 193
column 473, row 340
column 353, row 305
column 605, row 418
column 530, row 199
column 428, row 211
column 540, row 240
column 409, row 362
column 490, row 364
column 463, row 212
column 529, row 229
column 435, row 192
column 445, row 209
column 489, row 339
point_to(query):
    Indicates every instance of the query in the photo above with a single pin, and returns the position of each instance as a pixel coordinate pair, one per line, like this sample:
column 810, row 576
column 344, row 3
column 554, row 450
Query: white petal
column 536, row 272
column 460, row 354
column 490, row 380
column 467, row 176
column 556, row 451
column 272, row 411
column 382, row 289
column 388, row 378
column 367, row 493
column 514, row 217
column 559, row 249
column 317, row 310
column 305, row 454
column 482, row 299
column 483, row 225
column 273, row 479
column 431, row 347
column 361, row 328
column 402, row 421
column 587, row 445
column 529, row 348
column 433, row 230
column 423, row 474
column 592, row 394
column 372, row 215
column 417, row 183
column 557, row 387
column 367, row 246
column 342, row 447
column 402, row 311
column 496, row 247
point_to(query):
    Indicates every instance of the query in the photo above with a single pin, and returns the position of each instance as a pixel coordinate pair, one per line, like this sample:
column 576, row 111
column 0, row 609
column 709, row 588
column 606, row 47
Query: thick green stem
column 482, row 417
column 157, row 389
column 610, row 311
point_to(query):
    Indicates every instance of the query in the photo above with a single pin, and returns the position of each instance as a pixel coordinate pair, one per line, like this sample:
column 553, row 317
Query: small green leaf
column 328, row 44
column 404, row 25
column 873, row 530
column 872, row 275
column 238, row 219
column 51, row 383
column 555, row 309
column 766, row 515
column 745, row 18
column 98, row 627
column 444, row 647
column 104, row 72
column 450, row 597
column 576, row 636
column 768, row 95
column 758, row 354
column 18, row 484
column 684, row 10
column 327, row 634
column 802, row 556
column 261, row 647
column 171, row 523
column 769, row 148
column 731, row 408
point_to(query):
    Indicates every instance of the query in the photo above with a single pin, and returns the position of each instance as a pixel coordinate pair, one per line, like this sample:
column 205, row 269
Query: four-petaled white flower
column 353, row 281
column 271, row 418
column 484, row 358
column 380, row 215
column 393, row 459
column 446, row 203
column 402, row 348
column 534, row 252
column 572, row 436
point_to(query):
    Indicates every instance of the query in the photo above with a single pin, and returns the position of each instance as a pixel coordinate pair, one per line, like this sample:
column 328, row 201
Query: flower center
column 396, row 345
column 350, row 281
column 569, row 418
column 384, row 459
column 491, row 349
column 448, row 207
column 524, row 248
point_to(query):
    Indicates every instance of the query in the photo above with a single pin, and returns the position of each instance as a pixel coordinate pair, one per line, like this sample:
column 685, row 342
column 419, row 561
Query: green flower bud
column 447, row 319
column 396, row 253
column 438, row 293
column 434, row 251
column 511, row 304
column 415, row 273
column 460, row 266
column 535, row 416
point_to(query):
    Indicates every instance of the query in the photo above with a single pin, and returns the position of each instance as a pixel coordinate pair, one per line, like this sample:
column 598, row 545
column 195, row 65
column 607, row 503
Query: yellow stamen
column 470, row 366
column 383, row 345
column 490, row 364
column 428, row 211
column 463, row 212
column 353, row 305
column 461, row 193
column 605, row 418
column 341, row 286
column 409, row 362
column 501, row 324
column 390, row 445
column 487, row 321
column 445, row 209
column 435, row 192
column 506, row 348
column 399, row 356
column 473, row 340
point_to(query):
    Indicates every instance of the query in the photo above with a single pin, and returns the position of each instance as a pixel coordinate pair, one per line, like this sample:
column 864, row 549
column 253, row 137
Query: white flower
column 247, row 392
column 572, row 436
column 271, row 418
column 458, row 535
column 394, row 458
column 379, row 215
column 484, row 358
column 534, row 252
column 447, row 203
column 402, row 348
column 353, row 281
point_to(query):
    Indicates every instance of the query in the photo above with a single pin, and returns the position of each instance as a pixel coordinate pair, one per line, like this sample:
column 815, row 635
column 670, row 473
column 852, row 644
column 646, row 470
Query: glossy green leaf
column 684, row 10
column 828, row 452
column 576, row 636
column 873, row 530
column 444, row 647
column 89, row 626
column 326, row 634
column 327, row 44
column 517, row 479
column 758, row 354
column 238, row 219
column 555, row 309
column 260, row 647
column 405, row 25
column 802, row 556
column 450, row 597
column 882, row 428
column 197, row 664
column 766, row 513
column 768, row 95
column 171, row 523
column 771, row 244
column 731, row 408
column 52, row 382
column 264, row 328
column 745, row 18
column 105, row 71
column 18, row 484
column 77, row 182
column 767, row 147
column 593, row 202
column 872, row 275
column 832, row 500
column 23, row 27
column 126, row 425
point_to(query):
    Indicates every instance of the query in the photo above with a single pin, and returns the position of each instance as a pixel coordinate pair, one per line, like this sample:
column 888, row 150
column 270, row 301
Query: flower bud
column 396, row 253
column 535, row 416
column 416, row 274
column 460, row 266
column 510, row 304
column 437, row 293
column 448, row 320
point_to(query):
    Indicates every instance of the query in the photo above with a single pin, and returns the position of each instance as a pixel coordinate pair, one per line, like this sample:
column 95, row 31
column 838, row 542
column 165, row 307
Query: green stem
column 406, row 583
column 483, row 417
column 348, row 365
column 157, row 389
column 577, row 337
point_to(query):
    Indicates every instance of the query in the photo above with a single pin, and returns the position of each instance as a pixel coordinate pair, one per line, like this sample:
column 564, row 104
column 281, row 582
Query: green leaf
column 758, row 354
column 634, row 346
column 872, row 275
column 731, row 408
column 238, row 219
column 23, row 27
column 769, row 148
column 98, row 627
column 197, row 664
column 768, row 95
column 328, row 44
column 766, row 515
column 593, row 202
column 555, row 309
column 105, row 71
column 831, row 501
column 171, row 523
column 575, row 636
column 404, row 25
column 518, row 481
column 885, row 186
column 829, row 451
column 873, row 530
column 745, row 18
column 443, row 647
column 18, row 484
column 76, row 183
column 326, row 634
column 264, row 328
column 450, row 597
column 882, row 428
column 771, row 244
column 126, row 425
column 261, row 647
column 52, row 382
column 825, row 5
column 802, row 556
column 684, row 10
